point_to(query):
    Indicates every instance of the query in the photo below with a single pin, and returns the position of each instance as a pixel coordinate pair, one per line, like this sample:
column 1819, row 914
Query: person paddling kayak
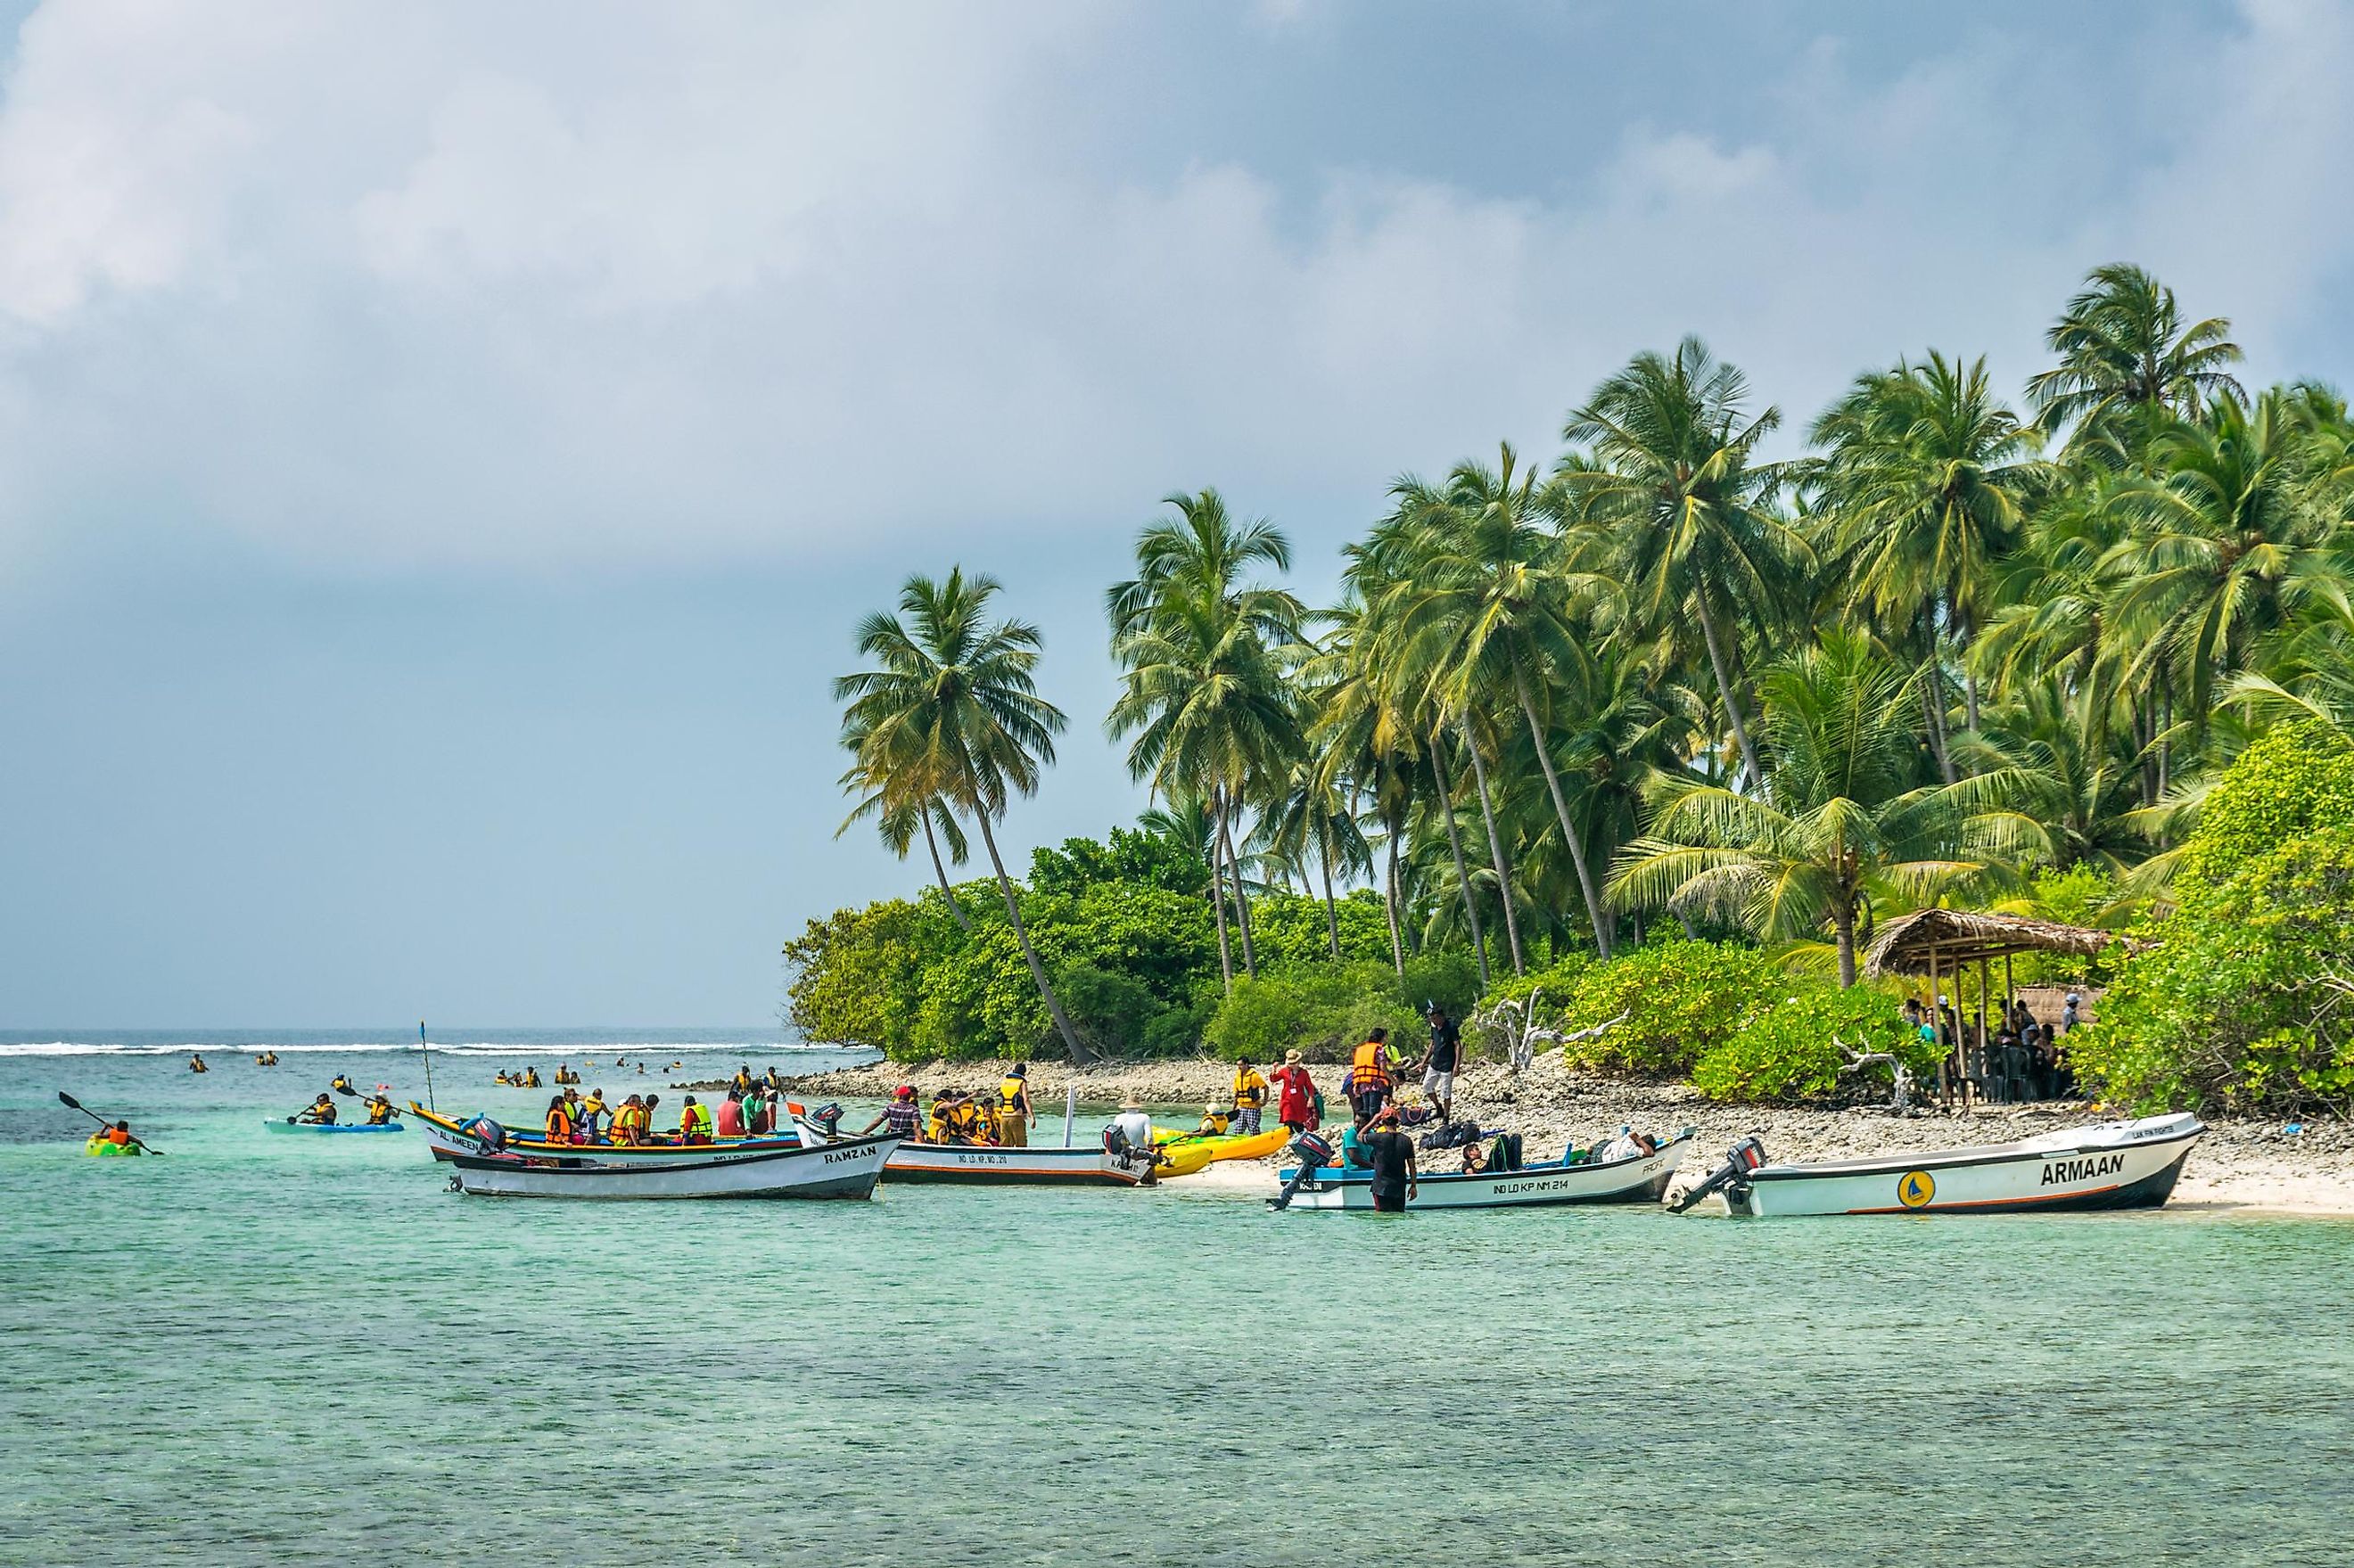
column 321, row 1113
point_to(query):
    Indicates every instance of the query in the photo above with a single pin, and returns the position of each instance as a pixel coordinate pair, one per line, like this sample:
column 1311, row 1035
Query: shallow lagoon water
column 274, row 1349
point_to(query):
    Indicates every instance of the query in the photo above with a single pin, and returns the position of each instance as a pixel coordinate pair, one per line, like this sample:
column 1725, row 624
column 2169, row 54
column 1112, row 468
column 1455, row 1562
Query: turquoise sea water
column 279, row 1350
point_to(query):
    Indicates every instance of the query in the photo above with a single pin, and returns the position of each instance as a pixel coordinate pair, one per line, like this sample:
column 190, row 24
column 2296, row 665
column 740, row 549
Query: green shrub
column 1681, row 1001
column 2297, row 778
column 2230, row 1007
column 1448, row 976
column 1309, row 1008
column 1286, row 930
column 1788, row 1047
column 1111, row 1010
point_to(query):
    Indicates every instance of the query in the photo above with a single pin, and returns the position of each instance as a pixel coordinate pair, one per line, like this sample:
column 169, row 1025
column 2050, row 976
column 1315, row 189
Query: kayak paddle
column 68, row 1099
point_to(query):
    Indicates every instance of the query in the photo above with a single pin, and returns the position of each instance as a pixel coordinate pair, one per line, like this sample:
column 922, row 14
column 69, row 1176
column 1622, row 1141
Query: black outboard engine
column 827, row 1120
column 1733, row 1176
column 1314, row 1151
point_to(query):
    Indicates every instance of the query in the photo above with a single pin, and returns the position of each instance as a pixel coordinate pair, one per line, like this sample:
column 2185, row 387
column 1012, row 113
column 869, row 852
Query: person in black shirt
column 1438, row 1061
column 1392, row 1153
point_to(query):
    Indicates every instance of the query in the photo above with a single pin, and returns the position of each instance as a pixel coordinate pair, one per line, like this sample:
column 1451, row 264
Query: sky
column 445, row 447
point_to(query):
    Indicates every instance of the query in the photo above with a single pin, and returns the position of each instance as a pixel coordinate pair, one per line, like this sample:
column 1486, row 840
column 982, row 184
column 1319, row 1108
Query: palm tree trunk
column 1331, row 911
column 1594, row 910
column 1080, row 1054
column 1218, row 903
column 1455, row 844
column 1724, row 690
column 1843, row 922
column 1932, row 708
column 1389, row 903
column 1495, row 848
column 941, row 871
column 1242, row 895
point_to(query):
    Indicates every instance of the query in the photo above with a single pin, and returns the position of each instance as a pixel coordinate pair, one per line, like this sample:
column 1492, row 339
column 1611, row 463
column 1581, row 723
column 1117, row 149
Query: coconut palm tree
column 954, row 699
column 1205, row 690
column 2125, row 356
column 1486, row 611
column 1843, row 816
column 1312, row 817
column 2220, row 542
column 1925, row 484
column 1675, row 488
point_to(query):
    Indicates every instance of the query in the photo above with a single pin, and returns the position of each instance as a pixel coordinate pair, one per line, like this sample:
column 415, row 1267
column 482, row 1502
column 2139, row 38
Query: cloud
column 442, row 288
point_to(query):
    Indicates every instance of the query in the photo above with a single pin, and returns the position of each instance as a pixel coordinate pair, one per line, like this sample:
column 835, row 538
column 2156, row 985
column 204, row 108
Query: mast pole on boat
column 1070, row 1107
column 430, row 1104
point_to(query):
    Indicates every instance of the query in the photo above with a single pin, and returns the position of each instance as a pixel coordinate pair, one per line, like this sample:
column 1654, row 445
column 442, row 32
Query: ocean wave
column 593, row 1048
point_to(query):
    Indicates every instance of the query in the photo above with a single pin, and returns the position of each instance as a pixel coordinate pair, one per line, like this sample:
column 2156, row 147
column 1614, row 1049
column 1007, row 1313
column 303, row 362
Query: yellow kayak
column 1186, row 1152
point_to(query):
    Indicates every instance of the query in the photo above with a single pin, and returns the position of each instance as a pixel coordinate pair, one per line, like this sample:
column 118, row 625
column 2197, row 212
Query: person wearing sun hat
column 1133, row 1124
column 1295, row 1105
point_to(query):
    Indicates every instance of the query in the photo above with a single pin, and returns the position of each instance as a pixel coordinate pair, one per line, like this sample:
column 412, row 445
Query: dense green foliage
column 1962, row 649
column 1793, row 1044
column 2238, row 1002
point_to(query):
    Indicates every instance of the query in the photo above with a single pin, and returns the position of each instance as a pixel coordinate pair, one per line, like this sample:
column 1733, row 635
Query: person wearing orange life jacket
column 559, row 1121
column 1369, row 1078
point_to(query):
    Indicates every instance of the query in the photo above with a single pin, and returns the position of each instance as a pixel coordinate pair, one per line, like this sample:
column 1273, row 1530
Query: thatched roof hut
column 1939, row 941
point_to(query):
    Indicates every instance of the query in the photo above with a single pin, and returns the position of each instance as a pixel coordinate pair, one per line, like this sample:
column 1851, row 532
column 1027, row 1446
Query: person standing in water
column 196, row 1064
column 1017, row 1117
column 1390, row 1154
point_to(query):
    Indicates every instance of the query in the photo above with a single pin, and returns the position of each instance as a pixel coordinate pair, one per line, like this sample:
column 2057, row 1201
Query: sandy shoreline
column 2238, row 1166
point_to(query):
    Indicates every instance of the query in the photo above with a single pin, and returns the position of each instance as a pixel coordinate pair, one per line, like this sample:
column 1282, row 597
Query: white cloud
column 433, row 287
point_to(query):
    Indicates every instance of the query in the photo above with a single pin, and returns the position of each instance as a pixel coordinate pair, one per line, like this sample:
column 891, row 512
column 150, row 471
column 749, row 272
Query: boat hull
column 2113, row 1165
column 848, row 1169
column 1640, row 1179
column 1011, row 1167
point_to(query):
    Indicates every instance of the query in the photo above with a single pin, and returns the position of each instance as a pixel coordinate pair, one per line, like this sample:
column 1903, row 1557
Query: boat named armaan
column 2106, row 1165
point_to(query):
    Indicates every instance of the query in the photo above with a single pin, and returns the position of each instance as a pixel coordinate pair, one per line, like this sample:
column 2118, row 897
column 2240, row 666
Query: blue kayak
column 279, row 1124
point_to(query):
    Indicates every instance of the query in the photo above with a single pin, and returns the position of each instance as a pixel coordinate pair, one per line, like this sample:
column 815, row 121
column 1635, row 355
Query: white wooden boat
column 1087, row 1164
column 849, row 1169
column 1635, row 1179
column 2106, row 1165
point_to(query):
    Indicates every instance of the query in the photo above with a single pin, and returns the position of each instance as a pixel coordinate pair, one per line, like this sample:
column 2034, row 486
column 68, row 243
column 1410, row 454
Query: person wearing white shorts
column 1437, row 1088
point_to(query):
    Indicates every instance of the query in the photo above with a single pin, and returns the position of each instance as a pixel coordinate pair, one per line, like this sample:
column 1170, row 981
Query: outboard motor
column 1733, row 1176
column 1314, row 1151
column 486, row 1132
column 827, row 1120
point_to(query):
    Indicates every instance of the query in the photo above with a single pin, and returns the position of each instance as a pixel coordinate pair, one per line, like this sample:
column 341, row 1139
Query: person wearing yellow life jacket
column 196, row 1064
column 1369, row 1078
column 694, row 1122
column 1250, row 1095
column 1014, row 1122
column 1216, row 1119
column 531, row 1077
column 559, row 1121
column 937, row 1125
column 379, row 1109
column 342, row 1086
column 595, row 1119
column 320, row 1112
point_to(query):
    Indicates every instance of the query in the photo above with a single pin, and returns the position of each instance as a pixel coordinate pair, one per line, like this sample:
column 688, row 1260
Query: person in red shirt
column 730, row 1116
column 1296, row 1098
